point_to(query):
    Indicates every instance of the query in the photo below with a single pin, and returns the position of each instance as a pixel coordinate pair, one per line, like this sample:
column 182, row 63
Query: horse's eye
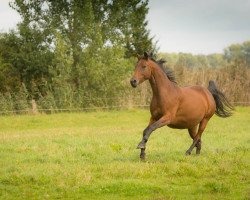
column 144, row 66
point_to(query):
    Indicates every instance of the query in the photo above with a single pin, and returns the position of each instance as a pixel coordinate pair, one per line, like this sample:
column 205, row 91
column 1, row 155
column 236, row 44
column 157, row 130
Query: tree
column 91, row 21
column 238, row 53
column 66, row 50
column 129, row 26
column 216, row 60
column 10, row 73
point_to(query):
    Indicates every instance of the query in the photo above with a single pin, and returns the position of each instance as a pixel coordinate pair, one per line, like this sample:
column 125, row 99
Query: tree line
column 73, row 54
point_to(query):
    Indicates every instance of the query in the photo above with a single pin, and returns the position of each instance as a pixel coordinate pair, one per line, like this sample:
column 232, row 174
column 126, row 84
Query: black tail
column 223, row 107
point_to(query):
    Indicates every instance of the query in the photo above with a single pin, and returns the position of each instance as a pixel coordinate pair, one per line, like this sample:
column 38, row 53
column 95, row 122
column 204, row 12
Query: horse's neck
column 161, row 86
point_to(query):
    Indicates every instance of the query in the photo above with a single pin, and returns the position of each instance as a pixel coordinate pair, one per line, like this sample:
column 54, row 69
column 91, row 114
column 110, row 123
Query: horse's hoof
column 187, row 153
column 141, row 146
column 142, row 157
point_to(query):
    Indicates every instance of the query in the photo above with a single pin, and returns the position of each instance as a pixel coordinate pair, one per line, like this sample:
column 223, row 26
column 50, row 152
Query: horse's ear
column 138, row 56
column 146, row 55
column 151, row 55
column 161, row 61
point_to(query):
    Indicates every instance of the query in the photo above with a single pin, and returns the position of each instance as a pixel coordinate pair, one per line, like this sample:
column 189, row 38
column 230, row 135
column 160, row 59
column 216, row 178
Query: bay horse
column 177, row 107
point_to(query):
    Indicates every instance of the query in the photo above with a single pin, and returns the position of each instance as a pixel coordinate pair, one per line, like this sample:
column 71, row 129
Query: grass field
column 94, row 156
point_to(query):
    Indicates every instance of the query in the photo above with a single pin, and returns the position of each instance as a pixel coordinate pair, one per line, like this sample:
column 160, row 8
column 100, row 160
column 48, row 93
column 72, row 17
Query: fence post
column 34, row 106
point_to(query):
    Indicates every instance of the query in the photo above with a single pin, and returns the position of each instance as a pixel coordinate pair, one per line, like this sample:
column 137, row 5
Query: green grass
column 94, row 156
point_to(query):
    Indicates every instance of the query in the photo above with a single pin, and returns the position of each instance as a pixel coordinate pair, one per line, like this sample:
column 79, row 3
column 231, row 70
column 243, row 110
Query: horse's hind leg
column 192, row 132
column 198, row 147
column 197, row 138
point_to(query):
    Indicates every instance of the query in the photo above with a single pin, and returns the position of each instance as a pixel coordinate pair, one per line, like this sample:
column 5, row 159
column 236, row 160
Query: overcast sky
column 195, row 26
column 199, row 26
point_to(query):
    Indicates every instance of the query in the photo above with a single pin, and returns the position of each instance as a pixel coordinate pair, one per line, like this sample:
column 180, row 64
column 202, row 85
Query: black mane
column 169, row 72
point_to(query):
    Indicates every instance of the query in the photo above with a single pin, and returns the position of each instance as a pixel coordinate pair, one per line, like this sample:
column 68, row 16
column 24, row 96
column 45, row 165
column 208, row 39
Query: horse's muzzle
column 133, row 82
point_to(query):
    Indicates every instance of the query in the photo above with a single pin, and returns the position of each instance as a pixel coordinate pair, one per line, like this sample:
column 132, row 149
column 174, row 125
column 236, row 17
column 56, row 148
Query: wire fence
column 101, row 108
column 58, row 110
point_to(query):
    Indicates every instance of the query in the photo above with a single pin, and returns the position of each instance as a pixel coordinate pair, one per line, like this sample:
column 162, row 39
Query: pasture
column 93, row 155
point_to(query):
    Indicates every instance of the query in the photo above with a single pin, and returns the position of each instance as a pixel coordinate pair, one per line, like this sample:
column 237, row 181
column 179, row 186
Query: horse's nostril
column 133, row 82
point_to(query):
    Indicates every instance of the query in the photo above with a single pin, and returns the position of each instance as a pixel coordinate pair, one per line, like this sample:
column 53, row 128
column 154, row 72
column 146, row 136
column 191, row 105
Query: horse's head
column 142, row 70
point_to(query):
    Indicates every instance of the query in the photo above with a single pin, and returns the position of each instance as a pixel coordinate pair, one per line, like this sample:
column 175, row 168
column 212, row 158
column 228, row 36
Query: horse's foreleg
column 147, row 132
column 197, row 138
column 143, row 154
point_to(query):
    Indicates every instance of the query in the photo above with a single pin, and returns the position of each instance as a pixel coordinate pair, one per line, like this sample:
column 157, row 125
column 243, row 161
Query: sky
column 190, row 26
column 199, row 26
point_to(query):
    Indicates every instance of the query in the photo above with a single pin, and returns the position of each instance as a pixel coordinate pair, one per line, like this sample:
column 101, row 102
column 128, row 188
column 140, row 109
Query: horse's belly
column 177, row 126
column 183, row 125
column 184, row 122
